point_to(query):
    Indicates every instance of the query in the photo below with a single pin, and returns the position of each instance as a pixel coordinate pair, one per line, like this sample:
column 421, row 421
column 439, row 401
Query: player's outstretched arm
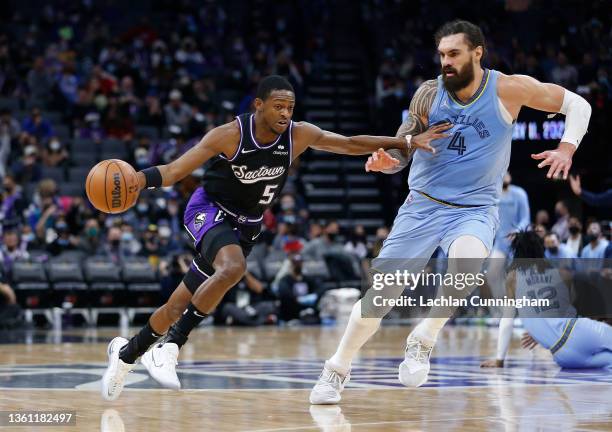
column 308, row 135
column 222, row 139
column 523, row 90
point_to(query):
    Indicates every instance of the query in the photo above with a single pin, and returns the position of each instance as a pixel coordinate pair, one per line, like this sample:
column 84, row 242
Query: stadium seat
column 103, row 274
column 72, row 189
column 56, row 173
column 61, row 131
column 316, row 269
column 271, row 269
column 27, row 275
column 71, row 256
column 254, row 268
column 83, row 159
column 148, row 131
column 140, row 276
column 83, row 145
column 66, row 275
column 78, row 174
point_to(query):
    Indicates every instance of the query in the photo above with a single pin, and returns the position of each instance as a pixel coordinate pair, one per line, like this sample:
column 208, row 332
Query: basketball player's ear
column 258, row 103
column 478, row 52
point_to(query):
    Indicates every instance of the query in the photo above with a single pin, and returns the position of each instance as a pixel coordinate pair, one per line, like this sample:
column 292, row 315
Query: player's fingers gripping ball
column 112, row 186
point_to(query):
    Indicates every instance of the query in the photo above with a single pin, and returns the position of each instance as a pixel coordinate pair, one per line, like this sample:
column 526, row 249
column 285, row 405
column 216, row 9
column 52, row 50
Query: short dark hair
column 271, row 83
column 473, row 33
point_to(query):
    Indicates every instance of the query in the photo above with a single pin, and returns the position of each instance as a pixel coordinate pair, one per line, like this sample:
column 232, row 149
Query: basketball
column 112, row 186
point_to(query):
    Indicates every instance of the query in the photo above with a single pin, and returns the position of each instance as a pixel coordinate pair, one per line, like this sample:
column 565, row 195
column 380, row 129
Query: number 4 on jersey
column 457, row 143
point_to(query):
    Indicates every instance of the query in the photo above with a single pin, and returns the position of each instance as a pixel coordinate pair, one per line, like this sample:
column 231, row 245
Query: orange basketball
column 112, row 186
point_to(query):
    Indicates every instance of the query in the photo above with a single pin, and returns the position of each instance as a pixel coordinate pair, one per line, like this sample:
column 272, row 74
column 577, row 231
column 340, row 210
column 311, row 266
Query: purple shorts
column 212, row 226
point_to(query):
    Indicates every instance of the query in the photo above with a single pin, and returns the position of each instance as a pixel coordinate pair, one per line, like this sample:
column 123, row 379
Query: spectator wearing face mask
column 55, row 153
column 27, row 168
column 555, row 249
column 325, row 244
column 113, row 249
column 63, row 241
column 91, row 241
column 603, row 199
column 357, row 243
column 129, row 241
column 574, row 241
column 594, row 249
column 561, row 226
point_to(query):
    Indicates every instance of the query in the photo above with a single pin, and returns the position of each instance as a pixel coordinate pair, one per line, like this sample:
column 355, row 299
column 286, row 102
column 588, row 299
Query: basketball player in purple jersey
column 246, row 165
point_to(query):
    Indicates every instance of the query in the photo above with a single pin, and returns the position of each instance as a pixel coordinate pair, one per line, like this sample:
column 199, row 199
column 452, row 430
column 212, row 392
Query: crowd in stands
column 81, row 81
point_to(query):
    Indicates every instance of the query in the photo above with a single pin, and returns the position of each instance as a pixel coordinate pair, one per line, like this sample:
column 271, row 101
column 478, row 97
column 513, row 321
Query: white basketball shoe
column 112, row 381
column 329, row 386
column 413, row 371
column 161, row 361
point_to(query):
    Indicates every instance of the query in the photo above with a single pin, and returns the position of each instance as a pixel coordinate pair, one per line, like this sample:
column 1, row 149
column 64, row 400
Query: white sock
column 428, row 329
column 357, row 333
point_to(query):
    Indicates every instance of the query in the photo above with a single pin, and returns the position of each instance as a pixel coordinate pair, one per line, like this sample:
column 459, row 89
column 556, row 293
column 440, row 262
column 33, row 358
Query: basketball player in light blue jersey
column 455, row 184
column 574, row 342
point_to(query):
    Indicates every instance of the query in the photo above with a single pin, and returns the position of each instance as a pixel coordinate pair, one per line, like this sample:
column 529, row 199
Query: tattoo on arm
column 419, row 109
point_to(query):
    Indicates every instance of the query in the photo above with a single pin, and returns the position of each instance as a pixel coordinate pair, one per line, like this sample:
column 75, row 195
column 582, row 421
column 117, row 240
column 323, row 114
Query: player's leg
column 468, row 239
column 412, row 235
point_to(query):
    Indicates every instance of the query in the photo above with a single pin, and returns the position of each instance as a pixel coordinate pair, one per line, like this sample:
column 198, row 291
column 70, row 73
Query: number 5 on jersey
column 268, row 194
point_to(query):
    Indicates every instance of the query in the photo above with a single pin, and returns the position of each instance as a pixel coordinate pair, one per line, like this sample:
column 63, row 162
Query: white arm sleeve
column 397, row 154
column 577, row 114
column 504, row 337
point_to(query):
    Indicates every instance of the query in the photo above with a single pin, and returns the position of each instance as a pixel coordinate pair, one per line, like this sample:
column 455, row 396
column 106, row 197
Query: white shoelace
column 332, row 377
column 418, row 350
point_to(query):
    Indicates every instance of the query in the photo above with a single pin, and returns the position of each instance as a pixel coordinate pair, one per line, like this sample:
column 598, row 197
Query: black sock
column 190, row 319
column 139, row 344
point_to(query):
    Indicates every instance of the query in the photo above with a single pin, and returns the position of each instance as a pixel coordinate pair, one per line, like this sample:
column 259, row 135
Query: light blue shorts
column 421, row 225
column 588, row 346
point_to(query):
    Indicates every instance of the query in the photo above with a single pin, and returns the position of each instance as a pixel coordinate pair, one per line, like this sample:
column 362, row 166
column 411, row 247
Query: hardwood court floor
column 260, row 379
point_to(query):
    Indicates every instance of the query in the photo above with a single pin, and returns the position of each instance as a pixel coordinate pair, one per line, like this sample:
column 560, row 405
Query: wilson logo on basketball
column 116, row 193
column 256, row 175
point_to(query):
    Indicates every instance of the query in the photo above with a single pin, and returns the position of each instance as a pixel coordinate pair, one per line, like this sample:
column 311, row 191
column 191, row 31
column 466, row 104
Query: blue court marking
column 265, row 374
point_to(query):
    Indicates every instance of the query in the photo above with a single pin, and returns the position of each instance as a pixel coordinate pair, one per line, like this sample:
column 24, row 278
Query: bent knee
column 468, row 246
column 231, row 271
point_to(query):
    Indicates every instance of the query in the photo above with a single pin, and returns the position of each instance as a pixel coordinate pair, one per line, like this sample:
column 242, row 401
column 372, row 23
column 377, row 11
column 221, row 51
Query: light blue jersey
column 513, row 215
column 469, row 165
column 574, row 342
column 544, row 323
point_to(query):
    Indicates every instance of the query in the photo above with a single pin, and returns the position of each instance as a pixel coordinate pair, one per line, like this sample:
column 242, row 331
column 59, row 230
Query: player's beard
column 460, row 80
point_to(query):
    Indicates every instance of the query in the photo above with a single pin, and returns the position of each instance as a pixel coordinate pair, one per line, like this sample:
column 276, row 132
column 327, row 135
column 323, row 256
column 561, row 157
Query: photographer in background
column 298, row 294
column 249, row 303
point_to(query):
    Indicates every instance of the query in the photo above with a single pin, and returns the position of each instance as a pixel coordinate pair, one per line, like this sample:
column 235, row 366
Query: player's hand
column 575, row 184
column 380, row 161
column 527, row 342
column 493, row 363
column 559, row 160
column 422, row 141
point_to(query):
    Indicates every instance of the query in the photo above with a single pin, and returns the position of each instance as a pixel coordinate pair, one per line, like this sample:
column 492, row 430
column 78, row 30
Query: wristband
column 153, row 178
column 409, row 141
